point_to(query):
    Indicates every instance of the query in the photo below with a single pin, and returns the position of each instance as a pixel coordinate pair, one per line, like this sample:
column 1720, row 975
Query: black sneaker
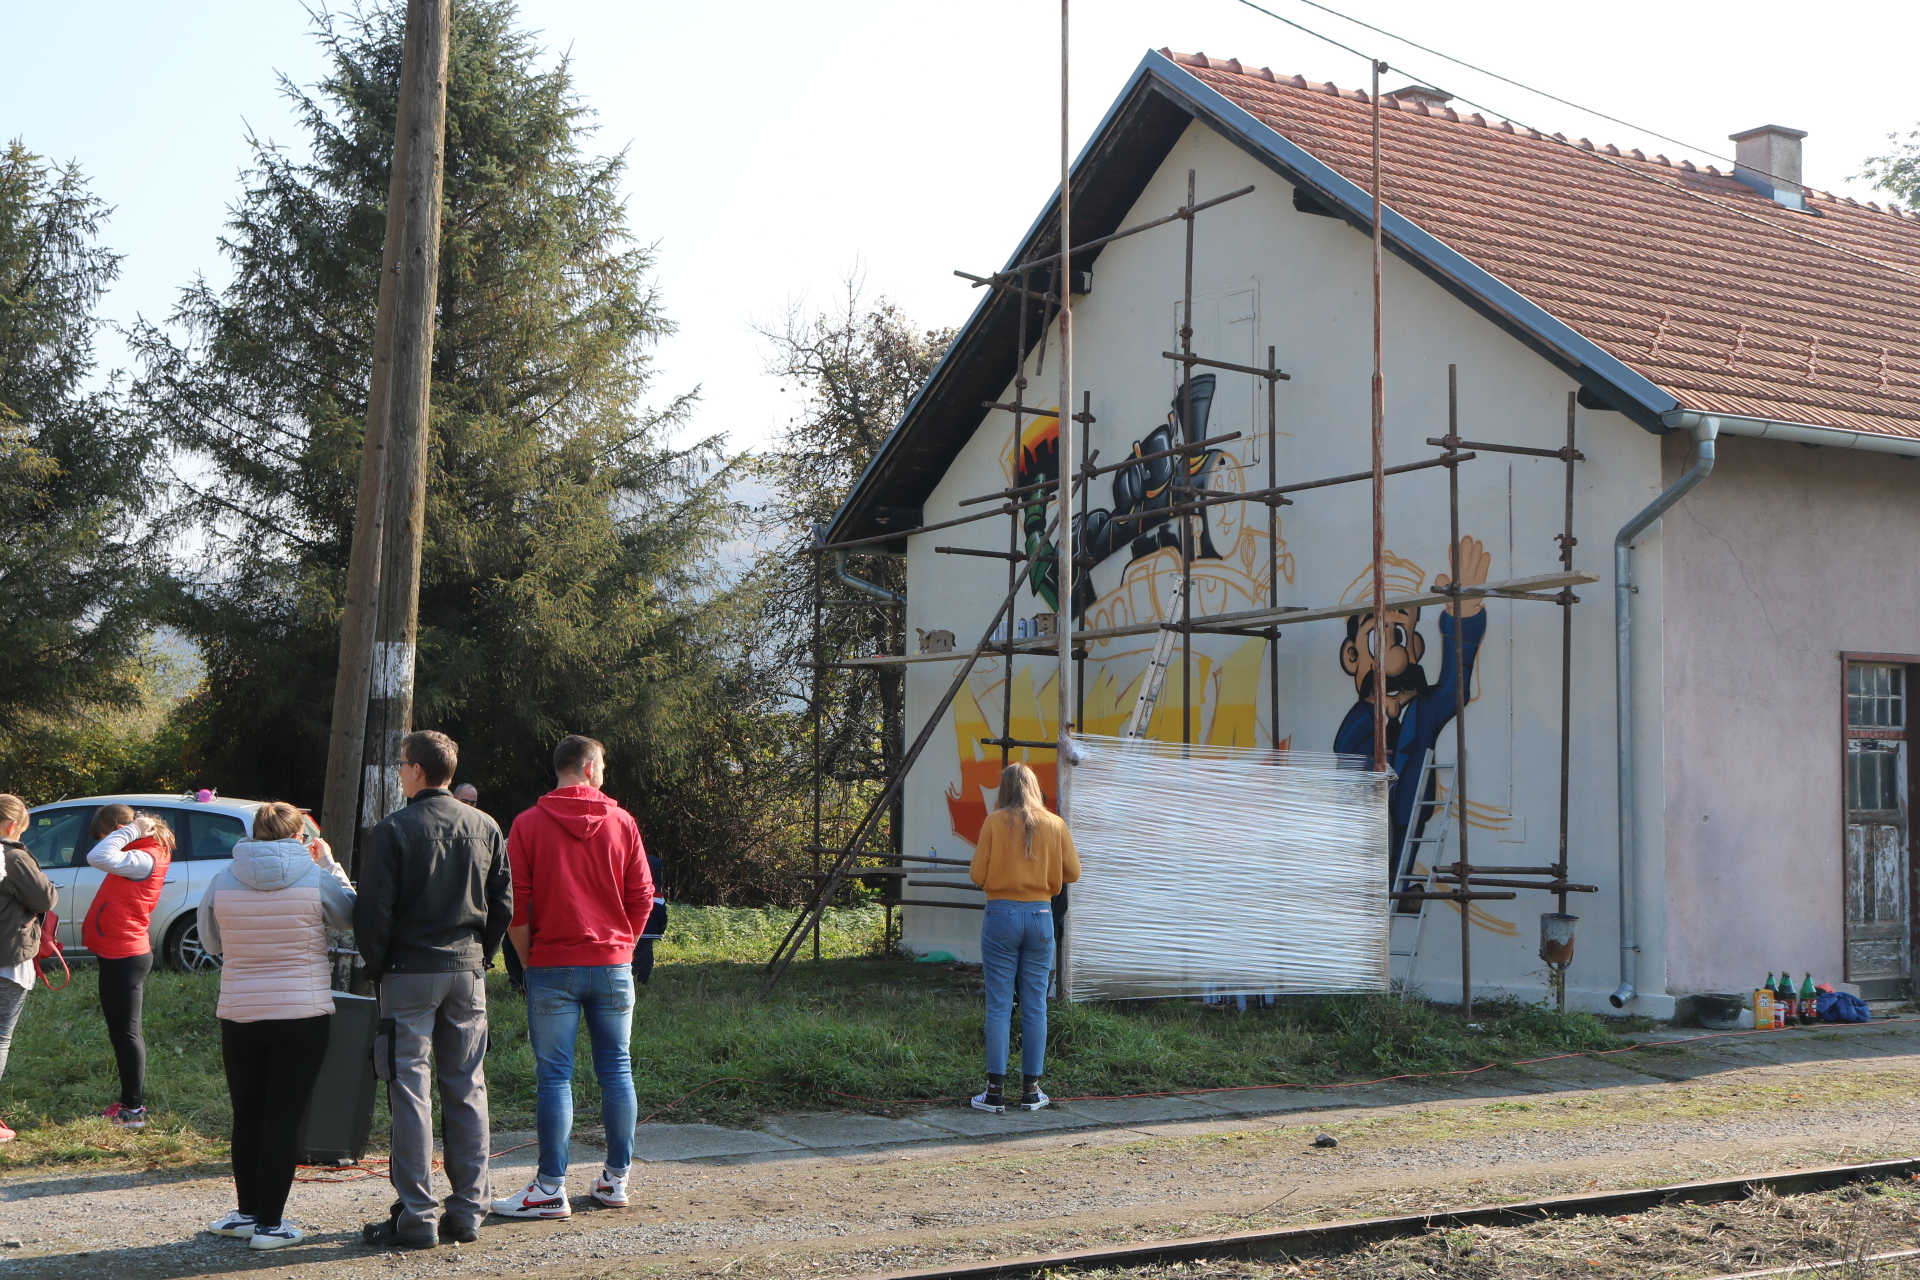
column 1033, row 1100
column 990, row 1101
column 385, row 1234
column 450, row 1234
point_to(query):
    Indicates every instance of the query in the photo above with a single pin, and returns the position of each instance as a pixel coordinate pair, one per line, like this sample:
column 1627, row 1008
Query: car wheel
column 184, row 952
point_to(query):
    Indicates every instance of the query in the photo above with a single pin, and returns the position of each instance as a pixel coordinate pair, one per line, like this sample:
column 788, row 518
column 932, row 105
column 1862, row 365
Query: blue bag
column 1842, row 1006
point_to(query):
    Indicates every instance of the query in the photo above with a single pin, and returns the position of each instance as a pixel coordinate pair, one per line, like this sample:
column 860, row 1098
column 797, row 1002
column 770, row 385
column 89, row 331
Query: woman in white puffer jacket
column 267, row 915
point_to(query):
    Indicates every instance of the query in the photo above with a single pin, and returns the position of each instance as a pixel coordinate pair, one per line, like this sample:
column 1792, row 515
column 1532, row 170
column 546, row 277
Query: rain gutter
column 1704, row 429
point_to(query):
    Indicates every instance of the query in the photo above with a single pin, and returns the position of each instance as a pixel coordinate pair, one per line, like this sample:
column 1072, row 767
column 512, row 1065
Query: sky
column 777, row 151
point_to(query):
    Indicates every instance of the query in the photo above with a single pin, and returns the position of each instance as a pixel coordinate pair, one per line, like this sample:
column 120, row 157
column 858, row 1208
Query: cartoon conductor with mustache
column 1416, row 710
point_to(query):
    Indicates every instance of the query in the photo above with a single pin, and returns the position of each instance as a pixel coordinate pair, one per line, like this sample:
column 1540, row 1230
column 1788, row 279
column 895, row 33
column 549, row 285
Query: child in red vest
column 134, row 851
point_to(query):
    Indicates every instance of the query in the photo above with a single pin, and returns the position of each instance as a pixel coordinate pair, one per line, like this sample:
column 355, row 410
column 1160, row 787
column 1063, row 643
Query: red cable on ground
column 377, row 1168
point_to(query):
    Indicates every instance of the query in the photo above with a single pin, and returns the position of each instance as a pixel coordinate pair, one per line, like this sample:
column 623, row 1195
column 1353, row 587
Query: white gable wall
column 1305, row 282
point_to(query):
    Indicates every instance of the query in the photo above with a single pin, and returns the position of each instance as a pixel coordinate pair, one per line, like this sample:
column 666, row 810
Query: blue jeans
column 557, row 998
column 1016, row 949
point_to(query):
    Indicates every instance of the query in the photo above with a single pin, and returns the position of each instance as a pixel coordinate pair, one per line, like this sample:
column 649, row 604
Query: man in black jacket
column 434, row 900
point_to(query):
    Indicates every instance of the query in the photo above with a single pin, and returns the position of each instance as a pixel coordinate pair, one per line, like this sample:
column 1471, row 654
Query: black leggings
column 271, row 1069
column 123, row 986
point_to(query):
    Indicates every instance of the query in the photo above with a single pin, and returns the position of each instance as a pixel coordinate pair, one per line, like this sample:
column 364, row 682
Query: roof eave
column 1607, row 377
column 1036, row 231
column 1797, row 432
column 1621, row 386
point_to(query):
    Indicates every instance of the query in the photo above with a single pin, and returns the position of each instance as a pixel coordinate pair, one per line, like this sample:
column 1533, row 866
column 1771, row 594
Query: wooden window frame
column 1911, row 662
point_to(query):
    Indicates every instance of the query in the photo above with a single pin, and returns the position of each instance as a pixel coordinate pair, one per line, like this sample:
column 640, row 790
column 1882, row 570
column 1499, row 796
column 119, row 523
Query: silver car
column 204, row 832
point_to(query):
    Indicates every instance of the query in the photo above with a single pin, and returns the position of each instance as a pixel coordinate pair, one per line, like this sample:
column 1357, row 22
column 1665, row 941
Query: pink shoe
column 125, row 1116
column 6, row 1134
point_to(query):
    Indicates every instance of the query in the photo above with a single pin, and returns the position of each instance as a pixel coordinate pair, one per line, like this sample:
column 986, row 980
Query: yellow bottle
column 1763, row 1009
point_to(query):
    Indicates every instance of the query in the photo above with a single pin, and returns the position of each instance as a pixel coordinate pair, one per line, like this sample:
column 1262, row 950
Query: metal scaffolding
column 1045, row 282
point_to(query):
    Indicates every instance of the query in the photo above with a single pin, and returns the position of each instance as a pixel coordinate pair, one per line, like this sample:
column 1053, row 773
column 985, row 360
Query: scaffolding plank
column 1285, row 616
column 1514, row 587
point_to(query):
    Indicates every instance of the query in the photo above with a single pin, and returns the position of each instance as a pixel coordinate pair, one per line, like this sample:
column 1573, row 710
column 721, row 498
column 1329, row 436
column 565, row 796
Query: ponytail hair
column 1020, row 792
column 162, row 833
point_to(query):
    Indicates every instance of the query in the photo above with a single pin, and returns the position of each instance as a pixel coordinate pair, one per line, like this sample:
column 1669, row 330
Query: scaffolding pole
column 1464, row 882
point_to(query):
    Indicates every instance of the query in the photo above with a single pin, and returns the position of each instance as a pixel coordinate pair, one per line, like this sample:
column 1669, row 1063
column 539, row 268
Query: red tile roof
column 1711, row 290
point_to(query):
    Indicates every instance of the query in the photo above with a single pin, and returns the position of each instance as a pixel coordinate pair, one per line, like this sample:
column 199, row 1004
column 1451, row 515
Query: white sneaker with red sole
column 609, row 1190
column 535, row 1201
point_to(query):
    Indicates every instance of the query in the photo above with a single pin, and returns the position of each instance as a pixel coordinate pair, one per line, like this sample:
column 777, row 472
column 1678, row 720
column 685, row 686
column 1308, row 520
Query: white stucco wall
column 1311, row 276
column 1782, row 560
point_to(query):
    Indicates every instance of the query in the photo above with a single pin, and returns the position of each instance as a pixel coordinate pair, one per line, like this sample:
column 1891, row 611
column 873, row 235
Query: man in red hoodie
column 581, row 897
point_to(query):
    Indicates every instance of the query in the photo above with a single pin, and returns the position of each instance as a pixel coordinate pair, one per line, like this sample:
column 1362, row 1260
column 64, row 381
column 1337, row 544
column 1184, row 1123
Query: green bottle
column 1809, row 1001
column 1787, row 1000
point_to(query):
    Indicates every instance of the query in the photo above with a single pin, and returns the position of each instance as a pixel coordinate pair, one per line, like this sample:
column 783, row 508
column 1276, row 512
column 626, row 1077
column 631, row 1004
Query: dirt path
column 805, row 1213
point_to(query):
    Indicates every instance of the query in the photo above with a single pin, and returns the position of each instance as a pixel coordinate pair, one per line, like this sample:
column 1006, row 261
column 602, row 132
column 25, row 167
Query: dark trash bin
column 339, row 1116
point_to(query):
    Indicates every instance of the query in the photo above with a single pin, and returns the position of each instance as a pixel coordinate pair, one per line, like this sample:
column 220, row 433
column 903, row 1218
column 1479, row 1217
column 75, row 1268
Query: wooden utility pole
column 373, row 691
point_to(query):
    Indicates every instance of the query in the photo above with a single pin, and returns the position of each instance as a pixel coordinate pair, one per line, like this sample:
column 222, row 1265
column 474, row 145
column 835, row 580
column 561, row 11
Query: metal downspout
column 841, row 575
column 1705, row 429
column 861, row 585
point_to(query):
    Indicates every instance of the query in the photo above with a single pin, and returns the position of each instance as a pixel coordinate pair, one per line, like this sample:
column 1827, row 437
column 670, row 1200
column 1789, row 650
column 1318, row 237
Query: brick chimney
column 1768, row 160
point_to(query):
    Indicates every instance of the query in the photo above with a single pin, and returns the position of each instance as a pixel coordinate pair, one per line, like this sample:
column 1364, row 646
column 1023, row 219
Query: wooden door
column 1877, row 934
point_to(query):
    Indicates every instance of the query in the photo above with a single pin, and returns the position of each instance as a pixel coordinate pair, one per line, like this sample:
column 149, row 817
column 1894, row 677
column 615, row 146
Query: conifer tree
column 76, row 474
column 565, row 572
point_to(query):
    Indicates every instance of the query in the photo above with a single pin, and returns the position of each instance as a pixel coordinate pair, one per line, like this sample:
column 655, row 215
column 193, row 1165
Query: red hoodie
column 580, row 879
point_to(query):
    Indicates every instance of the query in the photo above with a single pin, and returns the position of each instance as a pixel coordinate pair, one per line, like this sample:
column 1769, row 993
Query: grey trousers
column 445, row 1013
column 13, row 998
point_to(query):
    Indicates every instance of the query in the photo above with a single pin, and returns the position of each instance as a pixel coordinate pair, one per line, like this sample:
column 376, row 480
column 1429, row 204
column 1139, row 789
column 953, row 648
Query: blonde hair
column 13, row 810
column 276, row 820
column 1020, row 792
column 161, row 832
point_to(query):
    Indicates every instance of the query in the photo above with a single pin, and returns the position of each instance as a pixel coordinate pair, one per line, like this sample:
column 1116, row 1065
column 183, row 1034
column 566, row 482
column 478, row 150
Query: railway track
column 1319, row 1237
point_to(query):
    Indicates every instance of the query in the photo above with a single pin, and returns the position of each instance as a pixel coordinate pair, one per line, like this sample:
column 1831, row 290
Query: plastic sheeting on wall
column 1218, row 871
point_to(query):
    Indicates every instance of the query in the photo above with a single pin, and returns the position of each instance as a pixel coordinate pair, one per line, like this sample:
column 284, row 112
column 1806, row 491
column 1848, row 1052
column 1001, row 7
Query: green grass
column 884, row 1029
column 696, row 934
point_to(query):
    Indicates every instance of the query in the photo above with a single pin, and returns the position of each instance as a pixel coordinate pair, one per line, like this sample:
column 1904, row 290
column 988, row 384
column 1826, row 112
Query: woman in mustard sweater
column 1023, row 856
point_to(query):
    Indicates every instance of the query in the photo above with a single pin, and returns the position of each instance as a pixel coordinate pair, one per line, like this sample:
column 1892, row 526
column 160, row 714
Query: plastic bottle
column 1809, row 1002
column 1785, row 1003
column 1763, row 1005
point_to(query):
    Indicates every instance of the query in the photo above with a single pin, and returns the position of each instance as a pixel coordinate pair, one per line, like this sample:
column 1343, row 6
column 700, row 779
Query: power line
column 1595, row 153
column 1479, row 70
column 1310, row 31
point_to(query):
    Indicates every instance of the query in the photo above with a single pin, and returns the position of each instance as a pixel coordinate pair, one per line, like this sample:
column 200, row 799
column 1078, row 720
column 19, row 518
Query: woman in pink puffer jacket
column 267, row 917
